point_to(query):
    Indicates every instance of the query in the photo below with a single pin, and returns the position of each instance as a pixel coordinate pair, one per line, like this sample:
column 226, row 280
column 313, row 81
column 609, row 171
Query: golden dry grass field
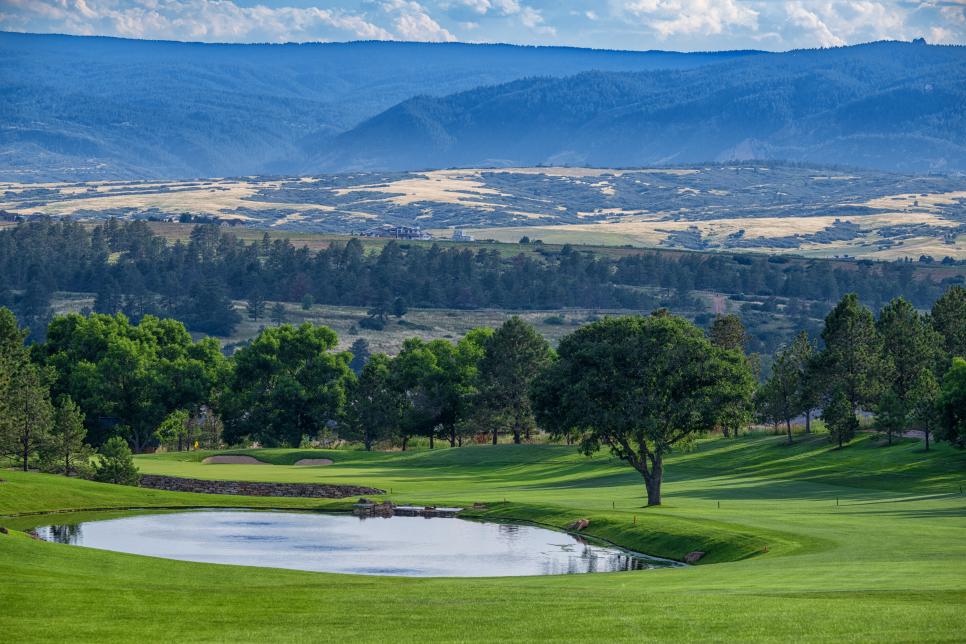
column 768, row 209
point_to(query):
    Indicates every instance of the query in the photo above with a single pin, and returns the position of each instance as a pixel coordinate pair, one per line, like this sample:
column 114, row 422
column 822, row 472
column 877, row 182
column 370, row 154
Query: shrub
column 116, row 464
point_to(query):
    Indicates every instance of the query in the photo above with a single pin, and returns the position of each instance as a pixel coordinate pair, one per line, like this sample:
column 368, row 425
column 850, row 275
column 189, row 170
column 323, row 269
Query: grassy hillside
column 785, row 561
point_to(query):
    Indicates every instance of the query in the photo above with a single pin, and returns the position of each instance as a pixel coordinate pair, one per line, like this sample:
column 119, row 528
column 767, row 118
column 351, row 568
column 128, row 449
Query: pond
column 403, row 546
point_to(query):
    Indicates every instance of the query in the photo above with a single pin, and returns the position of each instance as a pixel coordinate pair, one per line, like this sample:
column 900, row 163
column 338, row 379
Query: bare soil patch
column 314, row 461
column 227, row 459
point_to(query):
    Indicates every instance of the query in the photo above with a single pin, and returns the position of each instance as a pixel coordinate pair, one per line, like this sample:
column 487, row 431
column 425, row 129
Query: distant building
column 388, row 231
column 460, row 236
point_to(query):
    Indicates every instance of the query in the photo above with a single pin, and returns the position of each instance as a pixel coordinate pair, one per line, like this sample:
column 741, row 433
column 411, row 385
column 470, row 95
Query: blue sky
column 685, row 25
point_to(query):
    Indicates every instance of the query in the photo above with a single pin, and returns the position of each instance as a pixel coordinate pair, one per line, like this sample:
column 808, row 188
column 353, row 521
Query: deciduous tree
column 640, row 386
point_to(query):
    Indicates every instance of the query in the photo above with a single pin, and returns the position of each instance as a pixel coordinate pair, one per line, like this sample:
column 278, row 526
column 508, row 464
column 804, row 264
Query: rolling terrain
column 108, row 108
column 808, row 543
column 755, row 207
column 887, row 105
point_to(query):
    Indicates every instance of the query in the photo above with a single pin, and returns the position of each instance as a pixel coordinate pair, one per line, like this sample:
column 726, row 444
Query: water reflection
column 402, row 546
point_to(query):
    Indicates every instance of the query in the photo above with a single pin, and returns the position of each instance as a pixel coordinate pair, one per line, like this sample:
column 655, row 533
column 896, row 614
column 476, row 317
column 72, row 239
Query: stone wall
column 249, row 488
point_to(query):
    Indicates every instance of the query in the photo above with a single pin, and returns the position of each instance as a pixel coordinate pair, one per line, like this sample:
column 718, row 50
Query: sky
column 682, row 25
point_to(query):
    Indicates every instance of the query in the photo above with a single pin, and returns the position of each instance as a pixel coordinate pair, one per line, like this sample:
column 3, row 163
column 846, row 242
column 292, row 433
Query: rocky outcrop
column 250, row 488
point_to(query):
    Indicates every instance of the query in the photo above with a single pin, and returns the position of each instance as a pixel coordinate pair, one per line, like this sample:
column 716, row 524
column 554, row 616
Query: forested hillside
column 133, row 271
column 91, row 107
column 885, row 105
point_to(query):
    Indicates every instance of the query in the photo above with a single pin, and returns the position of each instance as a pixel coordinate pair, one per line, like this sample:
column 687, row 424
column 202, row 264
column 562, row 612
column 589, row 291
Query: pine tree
column 65, row 451
column 116, row 464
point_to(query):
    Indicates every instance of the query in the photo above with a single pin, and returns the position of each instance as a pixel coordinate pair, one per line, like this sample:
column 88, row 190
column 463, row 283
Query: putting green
column 809, row 543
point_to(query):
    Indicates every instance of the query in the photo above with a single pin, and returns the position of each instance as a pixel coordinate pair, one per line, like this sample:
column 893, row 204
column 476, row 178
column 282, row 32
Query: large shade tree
column 288, row 383
column 130, row 375
column 640, row 386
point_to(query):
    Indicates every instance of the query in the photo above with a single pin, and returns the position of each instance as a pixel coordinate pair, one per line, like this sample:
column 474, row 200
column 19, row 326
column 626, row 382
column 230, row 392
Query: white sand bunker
column 237, row 459
column 314, row 461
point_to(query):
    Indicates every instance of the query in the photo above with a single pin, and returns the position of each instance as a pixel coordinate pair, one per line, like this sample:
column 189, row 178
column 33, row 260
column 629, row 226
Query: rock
column 579, row 525
column 692, row 557
column 4, row 530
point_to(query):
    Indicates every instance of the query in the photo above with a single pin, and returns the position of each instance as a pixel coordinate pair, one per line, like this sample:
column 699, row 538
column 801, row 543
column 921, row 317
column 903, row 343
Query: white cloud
column 528, row 16
column 705, row 17
column 812, row 23
column 412, row 22
column 206, row 20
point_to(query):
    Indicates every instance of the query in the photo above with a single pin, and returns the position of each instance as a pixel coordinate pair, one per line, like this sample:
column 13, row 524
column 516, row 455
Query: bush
column 555, row 320
column 372, row 323
column 116, row 464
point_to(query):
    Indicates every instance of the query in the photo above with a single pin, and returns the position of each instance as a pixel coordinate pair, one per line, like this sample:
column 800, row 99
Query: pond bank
column 251, row 488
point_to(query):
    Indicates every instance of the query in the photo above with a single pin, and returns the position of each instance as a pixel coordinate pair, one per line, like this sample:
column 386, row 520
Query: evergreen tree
column 65, row 451
column 116, row 464
column 852, row 362
column 892, row 415
column 839, row 417
column 952, row 405
column 27, row 413
column 909, row 343
column 255, row 306
column 373, row 406
column 728, row 332
column 278, row 314
column 949, row 319
column 924, row 405
column 360, row 355
column 514, row 355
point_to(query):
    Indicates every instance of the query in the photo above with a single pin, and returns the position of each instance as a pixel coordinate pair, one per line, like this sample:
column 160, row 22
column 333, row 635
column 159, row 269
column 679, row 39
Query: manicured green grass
column 809, row 543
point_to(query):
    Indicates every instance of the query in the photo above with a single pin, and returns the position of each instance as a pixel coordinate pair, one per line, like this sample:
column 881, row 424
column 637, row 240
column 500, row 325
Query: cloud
column 205, row 20
column 812, row 23
column 412, row 22
column 705, row 17
column 528, row 16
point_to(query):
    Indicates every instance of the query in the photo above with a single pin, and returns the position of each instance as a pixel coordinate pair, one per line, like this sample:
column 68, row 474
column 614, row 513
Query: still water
column 403, row 546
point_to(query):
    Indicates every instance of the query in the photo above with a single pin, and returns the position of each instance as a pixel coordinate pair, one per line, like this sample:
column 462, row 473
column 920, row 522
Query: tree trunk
column 432, row 443
column 367, row 440
column 926, row 434
column 405, row 440
column 516, row 436
column 808, row 422
column 652, row 482
column 26, row 456
column 788, row 426
column 494, row 435
column 459, row 441
column 452, row 436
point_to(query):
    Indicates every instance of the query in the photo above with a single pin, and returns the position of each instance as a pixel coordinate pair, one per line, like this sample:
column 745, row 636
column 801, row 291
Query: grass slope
column 887, row 563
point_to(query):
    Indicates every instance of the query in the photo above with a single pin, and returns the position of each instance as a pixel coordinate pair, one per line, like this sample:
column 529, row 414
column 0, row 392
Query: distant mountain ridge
column 75, row 107
column 886, row 105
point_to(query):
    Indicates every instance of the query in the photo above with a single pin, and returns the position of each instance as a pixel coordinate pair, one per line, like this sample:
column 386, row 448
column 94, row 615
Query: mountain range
column 82, row 108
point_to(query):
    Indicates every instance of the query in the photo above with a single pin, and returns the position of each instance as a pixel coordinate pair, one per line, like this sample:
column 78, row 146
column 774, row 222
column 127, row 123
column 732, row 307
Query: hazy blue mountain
column 890, row 105
column 92, row 107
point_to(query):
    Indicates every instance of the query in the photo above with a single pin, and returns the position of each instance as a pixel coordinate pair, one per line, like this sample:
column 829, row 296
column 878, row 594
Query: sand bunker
column 233, row 460
column 314, row 461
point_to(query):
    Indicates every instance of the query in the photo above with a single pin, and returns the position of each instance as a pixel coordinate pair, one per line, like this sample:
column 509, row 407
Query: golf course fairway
column 803, row 543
